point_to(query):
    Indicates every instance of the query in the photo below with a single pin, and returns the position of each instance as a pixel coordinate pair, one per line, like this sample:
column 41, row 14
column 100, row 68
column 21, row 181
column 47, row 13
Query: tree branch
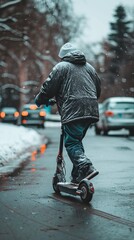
column 4, row 5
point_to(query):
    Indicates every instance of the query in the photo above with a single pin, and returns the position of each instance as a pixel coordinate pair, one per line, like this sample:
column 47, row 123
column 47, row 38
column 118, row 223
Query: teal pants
column 74, row 132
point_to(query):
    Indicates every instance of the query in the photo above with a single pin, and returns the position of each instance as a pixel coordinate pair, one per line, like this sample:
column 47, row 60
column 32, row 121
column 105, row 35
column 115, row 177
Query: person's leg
column 74, row 133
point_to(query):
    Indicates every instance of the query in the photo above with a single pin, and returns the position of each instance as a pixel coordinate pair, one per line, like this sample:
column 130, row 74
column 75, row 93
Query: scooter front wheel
column 86, row 194
column 54, row 184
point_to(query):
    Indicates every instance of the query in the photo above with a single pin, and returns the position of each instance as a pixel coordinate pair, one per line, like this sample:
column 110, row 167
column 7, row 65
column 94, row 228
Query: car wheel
column 105, row 132
column 131, row 132
column 97, row 131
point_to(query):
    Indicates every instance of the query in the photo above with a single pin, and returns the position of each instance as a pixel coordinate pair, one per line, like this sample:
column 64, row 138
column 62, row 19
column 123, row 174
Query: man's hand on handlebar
column 51, row 102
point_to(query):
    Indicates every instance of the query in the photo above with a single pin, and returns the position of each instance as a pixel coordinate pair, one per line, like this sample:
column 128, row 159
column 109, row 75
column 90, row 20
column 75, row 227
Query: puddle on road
column 41, row 150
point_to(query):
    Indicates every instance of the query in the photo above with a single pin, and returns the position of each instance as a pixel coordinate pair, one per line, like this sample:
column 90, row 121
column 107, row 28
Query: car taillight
column 42, row 114
column 16, row 114
column 109, row 114
column 24, row 113
column 2, row 114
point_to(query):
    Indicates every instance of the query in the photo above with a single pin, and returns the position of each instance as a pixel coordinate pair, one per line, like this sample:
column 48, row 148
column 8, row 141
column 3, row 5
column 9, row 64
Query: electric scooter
column 84, row 189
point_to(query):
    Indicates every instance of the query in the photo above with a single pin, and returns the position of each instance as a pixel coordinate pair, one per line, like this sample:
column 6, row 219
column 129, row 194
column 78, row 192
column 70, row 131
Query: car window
column 122, row 105
column 26, row 108
column 105, row 105
column 31, row 108
column 8, row 109
column 100, row 107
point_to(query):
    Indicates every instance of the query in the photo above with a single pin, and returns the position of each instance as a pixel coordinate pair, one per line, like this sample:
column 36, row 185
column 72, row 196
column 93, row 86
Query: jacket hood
column 75, row 57
column 66, row 48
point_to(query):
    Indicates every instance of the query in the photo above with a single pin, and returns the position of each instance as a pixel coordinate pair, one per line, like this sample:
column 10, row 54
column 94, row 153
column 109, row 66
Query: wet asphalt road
column 29, row 208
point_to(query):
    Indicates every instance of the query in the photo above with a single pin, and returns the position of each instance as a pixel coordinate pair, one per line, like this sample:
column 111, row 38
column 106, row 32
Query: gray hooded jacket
column 76, row 86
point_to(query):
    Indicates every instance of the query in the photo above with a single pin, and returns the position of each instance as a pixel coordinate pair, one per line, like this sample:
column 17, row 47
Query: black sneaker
column 84, row 172
column 74, row 181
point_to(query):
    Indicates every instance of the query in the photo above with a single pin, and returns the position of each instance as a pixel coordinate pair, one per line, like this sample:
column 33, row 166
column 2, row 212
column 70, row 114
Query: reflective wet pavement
column 29, row 208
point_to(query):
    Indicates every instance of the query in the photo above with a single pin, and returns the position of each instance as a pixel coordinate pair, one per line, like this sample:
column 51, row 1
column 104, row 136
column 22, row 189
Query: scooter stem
column 61, row 142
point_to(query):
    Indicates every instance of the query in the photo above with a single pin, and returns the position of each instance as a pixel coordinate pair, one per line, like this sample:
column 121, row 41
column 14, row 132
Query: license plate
column 9, row 116
column 127, row 115
column 35, row 115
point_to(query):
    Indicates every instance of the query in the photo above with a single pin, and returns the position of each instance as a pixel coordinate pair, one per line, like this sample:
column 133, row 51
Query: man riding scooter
column 76, row 87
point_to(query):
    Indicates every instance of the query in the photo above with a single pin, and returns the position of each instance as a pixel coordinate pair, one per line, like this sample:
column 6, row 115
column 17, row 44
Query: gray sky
column 99, row 14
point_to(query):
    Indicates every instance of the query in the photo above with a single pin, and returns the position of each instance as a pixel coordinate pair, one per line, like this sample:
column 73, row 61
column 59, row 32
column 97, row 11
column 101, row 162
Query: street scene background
column 31, row 34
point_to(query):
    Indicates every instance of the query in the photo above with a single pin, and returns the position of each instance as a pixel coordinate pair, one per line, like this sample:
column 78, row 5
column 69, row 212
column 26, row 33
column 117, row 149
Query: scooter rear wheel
column 55, row 186
column 86, row 195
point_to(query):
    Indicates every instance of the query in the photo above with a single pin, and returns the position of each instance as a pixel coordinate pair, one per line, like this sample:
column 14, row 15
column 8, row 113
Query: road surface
column 30, row 210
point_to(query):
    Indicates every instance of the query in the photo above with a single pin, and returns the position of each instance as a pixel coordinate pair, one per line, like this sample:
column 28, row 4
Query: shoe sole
column 92, row 175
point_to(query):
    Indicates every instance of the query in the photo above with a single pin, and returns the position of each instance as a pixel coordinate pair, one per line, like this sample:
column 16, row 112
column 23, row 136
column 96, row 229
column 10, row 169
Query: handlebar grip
column 51, row 102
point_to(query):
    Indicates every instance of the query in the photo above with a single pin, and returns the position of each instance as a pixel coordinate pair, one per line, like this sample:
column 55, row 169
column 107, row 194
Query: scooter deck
column 68, row 184
column 75, row 185
column 72, row 188
column 68, row 187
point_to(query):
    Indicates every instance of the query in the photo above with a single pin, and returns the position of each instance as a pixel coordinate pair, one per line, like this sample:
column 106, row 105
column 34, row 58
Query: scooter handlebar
column 51, row 102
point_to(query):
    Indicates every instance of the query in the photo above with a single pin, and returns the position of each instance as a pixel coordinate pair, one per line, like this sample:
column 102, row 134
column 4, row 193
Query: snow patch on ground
column 15, row 143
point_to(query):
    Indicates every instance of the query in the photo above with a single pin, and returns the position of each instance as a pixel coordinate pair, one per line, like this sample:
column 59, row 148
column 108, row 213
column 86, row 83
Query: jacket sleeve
column 49, row 88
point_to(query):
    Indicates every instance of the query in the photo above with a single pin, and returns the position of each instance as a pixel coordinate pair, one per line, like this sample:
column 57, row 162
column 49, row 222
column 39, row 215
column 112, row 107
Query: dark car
column 9, row 115
column 31, row 115
column 116, row 113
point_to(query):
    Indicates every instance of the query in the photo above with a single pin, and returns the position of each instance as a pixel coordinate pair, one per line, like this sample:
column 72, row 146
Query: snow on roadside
column 15, row 142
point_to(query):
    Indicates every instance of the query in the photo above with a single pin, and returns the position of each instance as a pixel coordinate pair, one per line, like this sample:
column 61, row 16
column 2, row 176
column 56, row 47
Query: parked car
column 98, row 125
column 116, row 113
column 9, row 115
column 31, row 115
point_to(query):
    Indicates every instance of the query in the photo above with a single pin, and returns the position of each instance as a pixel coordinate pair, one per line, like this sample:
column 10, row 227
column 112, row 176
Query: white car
column 116, row 113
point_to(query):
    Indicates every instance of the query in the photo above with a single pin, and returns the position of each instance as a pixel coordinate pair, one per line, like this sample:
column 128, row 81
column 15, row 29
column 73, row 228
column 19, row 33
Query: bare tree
column 31, row 33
